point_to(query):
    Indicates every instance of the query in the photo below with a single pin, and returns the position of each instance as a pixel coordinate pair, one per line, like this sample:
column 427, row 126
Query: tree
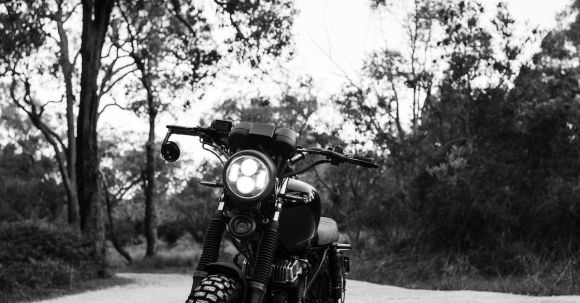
column 194, row 205
column 172, row 48
column 450, row 160
column 21, row 35
column 96, row 18
column 28, row 188
column 294, row 109
column 23, row 42
column 167, row 58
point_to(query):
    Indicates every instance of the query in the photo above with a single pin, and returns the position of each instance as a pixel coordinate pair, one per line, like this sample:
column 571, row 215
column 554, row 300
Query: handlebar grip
column 181, row 130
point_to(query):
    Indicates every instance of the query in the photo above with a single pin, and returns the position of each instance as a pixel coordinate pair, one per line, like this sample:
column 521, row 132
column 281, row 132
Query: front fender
column 230, row 270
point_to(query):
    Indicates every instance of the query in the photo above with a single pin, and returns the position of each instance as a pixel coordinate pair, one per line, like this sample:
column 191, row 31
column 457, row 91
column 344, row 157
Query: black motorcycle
column 289, row 252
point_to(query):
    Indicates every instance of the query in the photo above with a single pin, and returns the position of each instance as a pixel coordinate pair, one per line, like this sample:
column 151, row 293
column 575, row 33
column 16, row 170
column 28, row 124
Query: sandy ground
column 170, row 288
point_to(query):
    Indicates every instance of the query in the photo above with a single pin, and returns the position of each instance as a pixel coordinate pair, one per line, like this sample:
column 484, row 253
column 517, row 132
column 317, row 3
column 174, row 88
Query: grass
column 179, row 258
column 539, row 276
column 438, row 272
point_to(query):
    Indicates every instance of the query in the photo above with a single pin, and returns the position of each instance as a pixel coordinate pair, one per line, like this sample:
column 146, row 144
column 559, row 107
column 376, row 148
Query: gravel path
column 170, row 288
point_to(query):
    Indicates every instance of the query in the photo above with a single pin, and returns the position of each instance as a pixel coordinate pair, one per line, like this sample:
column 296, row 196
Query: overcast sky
column 333, row 36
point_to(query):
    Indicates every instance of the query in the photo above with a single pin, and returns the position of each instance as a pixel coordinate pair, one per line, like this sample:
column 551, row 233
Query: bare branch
column 124, row 190
column 109, row 50
column 76, row 57
column 69, row 14
column 106, row 90
column 131, row 35
column 181, row 19
column 110, row 105
column 109, row 73
column 51, row 102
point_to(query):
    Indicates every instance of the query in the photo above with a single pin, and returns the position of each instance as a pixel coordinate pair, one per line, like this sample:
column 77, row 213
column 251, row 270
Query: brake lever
column 361, row 161
column 211, row 183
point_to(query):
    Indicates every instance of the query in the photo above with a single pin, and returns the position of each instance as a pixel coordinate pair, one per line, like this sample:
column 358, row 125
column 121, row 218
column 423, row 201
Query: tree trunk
column 149, row 173
column 96, row 16
column 112, row 234
column 150, row 207
column 71, row 152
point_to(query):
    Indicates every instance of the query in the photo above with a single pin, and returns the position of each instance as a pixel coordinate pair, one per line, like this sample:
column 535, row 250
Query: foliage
column 26, row 189
column 488, row 169
column 294, row 108
column 262, row 30
column 21, row 30
column 37, row 255
column 498, row 151
column 193, row 207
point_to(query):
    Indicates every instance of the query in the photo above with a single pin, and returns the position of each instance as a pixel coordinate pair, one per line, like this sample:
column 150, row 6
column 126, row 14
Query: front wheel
column 216, row 288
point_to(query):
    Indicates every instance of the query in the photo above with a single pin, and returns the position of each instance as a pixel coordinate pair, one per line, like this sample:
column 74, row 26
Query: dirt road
column 171, row 288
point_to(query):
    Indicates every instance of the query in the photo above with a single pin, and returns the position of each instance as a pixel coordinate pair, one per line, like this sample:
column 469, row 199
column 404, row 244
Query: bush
column 127, row 231
column 171, row 231
column 40, row 256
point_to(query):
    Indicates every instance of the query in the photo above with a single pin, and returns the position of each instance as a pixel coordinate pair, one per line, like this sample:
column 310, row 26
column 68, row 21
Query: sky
column 332, row 38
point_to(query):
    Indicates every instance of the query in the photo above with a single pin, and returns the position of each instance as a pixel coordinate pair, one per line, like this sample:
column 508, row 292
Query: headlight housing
column 249, row 175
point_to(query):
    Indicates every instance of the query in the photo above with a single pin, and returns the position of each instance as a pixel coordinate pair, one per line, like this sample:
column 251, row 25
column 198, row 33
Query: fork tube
column 263, row 267
column 211, row 246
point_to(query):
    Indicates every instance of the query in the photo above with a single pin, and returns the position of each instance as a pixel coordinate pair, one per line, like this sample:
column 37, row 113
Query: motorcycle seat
column 327, row 232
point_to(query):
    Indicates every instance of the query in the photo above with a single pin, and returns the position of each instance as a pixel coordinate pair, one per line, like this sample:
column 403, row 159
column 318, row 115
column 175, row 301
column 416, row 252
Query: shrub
column 171, row 231
column 40, row 256
column 127, row 231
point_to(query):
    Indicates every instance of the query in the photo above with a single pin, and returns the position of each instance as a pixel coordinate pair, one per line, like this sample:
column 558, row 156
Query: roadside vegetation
column 39, row 260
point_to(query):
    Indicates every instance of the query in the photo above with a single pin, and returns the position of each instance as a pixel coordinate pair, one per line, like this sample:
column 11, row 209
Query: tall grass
column 180, row 257
column 531, row 275
column 541, row 275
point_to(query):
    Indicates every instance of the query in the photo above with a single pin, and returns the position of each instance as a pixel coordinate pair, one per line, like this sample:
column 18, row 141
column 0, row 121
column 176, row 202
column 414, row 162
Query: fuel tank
column 300, row 217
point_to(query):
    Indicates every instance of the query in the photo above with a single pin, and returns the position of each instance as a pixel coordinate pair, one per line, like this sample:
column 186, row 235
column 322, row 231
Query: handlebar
column 215, row 135
column 212, row 135
column 182, row 130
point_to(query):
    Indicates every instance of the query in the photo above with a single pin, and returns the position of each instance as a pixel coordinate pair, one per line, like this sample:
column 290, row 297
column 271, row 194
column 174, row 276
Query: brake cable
column 203, row 145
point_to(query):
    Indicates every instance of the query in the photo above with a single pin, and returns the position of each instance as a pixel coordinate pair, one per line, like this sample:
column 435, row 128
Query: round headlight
column 249, row 175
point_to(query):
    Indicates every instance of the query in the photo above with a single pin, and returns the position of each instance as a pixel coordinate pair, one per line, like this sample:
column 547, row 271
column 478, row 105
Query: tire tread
column 215, row 288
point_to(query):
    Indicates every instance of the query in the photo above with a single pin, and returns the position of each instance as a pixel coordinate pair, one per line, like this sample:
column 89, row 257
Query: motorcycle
column 289, row 253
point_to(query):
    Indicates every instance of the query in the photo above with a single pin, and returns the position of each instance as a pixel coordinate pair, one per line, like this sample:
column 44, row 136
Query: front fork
column 211, row 244
column 266, row 250
column 263, row 267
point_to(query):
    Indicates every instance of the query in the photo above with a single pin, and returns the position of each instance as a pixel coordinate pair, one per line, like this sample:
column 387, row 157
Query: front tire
column 216, row 288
